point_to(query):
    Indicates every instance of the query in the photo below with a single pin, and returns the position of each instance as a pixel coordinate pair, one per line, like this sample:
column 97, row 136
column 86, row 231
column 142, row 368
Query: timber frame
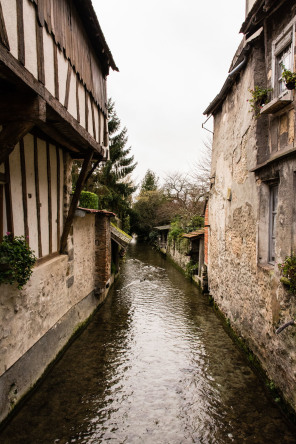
column 32, row 103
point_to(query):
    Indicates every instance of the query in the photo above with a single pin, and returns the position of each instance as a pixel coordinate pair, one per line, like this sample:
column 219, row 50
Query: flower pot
column 290, row 85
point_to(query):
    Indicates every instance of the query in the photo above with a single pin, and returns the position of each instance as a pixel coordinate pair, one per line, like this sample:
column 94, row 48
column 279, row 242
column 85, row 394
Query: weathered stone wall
column 246, row 288
column 103, row 252
column 36, row 322
column 177, row 251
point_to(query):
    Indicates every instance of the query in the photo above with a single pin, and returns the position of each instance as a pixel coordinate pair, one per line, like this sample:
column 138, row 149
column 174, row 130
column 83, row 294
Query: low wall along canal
column 154, row 366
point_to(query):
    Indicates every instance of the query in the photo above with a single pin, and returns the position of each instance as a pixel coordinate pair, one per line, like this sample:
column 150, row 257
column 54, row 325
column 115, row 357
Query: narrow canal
column 154, row 366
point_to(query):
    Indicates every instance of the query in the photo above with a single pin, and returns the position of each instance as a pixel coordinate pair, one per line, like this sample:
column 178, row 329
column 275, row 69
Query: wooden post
column 75, row 199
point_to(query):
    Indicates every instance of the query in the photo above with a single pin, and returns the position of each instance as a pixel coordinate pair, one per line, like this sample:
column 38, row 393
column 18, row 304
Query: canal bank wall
column 63, row 292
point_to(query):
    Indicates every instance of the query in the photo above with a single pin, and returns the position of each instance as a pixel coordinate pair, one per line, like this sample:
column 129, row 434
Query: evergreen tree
column 149, row 183
column 112, row 181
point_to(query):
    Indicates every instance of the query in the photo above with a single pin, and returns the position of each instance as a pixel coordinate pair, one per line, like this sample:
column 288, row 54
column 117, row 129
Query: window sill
column 278, row 103
column 266, row 266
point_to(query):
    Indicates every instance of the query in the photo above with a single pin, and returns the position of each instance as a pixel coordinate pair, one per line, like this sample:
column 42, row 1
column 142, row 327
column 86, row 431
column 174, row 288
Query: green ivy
column 89, row 200
column 16, row 260
column 288, row 269
column 191, row 268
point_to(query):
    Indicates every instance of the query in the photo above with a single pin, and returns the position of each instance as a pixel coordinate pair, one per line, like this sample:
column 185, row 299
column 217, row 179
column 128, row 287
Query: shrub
column 16, row 260
column 89, row 200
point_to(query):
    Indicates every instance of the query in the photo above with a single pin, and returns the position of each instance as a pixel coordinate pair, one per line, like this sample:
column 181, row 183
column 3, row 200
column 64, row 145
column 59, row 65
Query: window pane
column 285, row 59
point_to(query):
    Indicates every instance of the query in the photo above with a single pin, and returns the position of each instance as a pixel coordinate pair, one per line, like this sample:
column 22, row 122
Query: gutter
column 243, row 56
column 227, row 85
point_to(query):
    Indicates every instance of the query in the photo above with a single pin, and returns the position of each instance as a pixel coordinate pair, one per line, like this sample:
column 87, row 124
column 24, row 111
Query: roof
column 163, row 227
column 119, row 236
column 194, row 234
column 91, row 210
column 238, row 63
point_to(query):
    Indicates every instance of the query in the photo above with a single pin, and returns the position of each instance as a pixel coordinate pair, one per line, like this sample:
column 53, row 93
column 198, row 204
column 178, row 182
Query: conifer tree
column 112, row 181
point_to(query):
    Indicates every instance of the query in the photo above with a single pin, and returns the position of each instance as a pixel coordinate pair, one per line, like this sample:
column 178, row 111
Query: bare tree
column 201, row 172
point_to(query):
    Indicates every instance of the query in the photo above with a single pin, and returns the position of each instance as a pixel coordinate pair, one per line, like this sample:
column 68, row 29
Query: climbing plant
column 16, row 260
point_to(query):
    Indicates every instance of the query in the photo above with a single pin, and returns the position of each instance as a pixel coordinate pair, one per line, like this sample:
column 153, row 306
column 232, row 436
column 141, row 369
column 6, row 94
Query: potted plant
column 16, row 260
column 289, row 78
column 259, row 98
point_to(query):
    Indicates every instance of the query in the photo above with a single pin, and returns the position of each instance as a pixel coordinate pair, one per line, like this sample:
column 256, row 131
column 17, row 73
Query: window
column 273, row 203
column 282, row 56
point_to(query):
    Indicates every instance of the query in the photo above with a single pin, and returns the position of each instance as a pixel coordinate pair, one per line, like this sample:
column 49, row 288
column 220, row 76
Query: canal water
column 154, row 366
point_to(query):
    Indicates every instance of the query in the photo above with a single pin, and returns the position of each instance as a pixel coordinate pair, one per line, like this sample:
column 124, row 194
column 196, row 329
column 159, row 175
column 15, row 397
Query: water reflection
column 154, row 366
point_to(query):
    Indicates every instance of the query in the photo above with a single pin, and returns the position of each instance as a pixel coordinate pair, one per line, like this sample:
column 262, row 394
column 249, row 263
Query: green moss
column 121, row 231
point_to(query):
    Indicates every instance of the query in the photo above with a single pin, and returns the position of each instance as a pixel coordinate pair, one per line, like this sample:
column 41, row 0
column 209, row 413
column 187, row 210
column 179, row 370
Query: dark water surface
column 154, row 366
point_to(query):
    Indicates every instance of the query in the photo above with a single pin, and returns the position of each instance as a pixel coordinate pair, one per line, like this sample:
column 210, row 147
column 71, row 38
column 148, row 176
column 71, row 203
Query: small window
column 272, row 222
column 284, row 59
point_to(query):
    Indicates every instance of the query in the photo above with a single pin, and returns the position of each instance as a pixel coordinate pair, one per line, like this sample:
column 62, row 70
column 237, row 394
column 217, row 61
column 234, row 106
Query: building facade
column 252, row 203
column 54, row 62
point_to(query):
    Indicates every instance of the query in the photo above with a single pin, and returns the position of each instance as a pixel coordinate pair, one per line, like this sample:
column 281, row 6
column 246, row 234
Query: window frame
column 284, row 40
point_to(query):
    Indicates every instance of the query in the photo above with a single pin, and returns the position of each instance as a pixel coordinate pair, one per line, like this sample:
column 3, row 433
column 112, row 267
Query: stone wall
column 244, row 285
column 38, row 321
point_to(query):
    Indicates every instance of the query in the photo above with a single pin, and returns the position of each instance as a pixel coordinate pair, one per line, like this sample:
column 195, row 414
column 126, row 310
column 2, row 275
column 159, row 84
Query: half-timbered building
column 54, row 62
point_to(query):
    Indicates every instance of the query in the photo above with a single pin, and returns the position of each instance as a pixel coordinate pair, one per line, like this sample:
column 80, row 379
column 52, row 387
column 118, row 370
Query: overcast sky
column 173, row 57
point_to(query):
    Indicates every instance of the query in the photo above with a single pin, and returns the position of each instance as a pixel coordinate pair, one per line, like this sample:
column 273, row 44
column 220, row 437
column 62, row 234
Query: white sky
column 173, row 57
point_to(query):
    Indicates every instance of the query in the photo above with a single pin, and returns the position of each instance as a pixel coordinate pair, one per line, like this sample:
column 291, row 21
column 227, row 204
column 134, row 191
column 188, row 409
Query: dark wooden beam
column 58, row 197
column 10, row 136
column 92, row 170
column 24, row 189
column 75, row 199
column 3, row 33
column 40, row 53
column 20, row 31
column 37, row 192
column 48, row 166
column 77, row 99
column 1, row 212
column 24, row 107
column 23, row 78
column 8, row 200
column 56, row 72
column 68, row 81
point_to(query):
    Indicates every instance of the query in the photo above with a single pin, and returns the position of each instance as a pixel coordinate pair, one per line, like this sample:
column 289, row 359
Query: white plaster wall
column 30, row 37
column 62, row 75
column 16, row 191
column 53, row 168
column 31, row 190
column 81, row 98
column 72, row 104
column 49, row 61
column 43, row 194
column 9, row 14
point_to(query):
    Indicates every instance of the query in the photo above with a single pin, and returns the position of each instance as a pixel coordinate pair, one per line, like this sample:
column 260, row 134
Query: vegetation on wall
column 288, row 269
column 16, row 260
column 259, row 97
